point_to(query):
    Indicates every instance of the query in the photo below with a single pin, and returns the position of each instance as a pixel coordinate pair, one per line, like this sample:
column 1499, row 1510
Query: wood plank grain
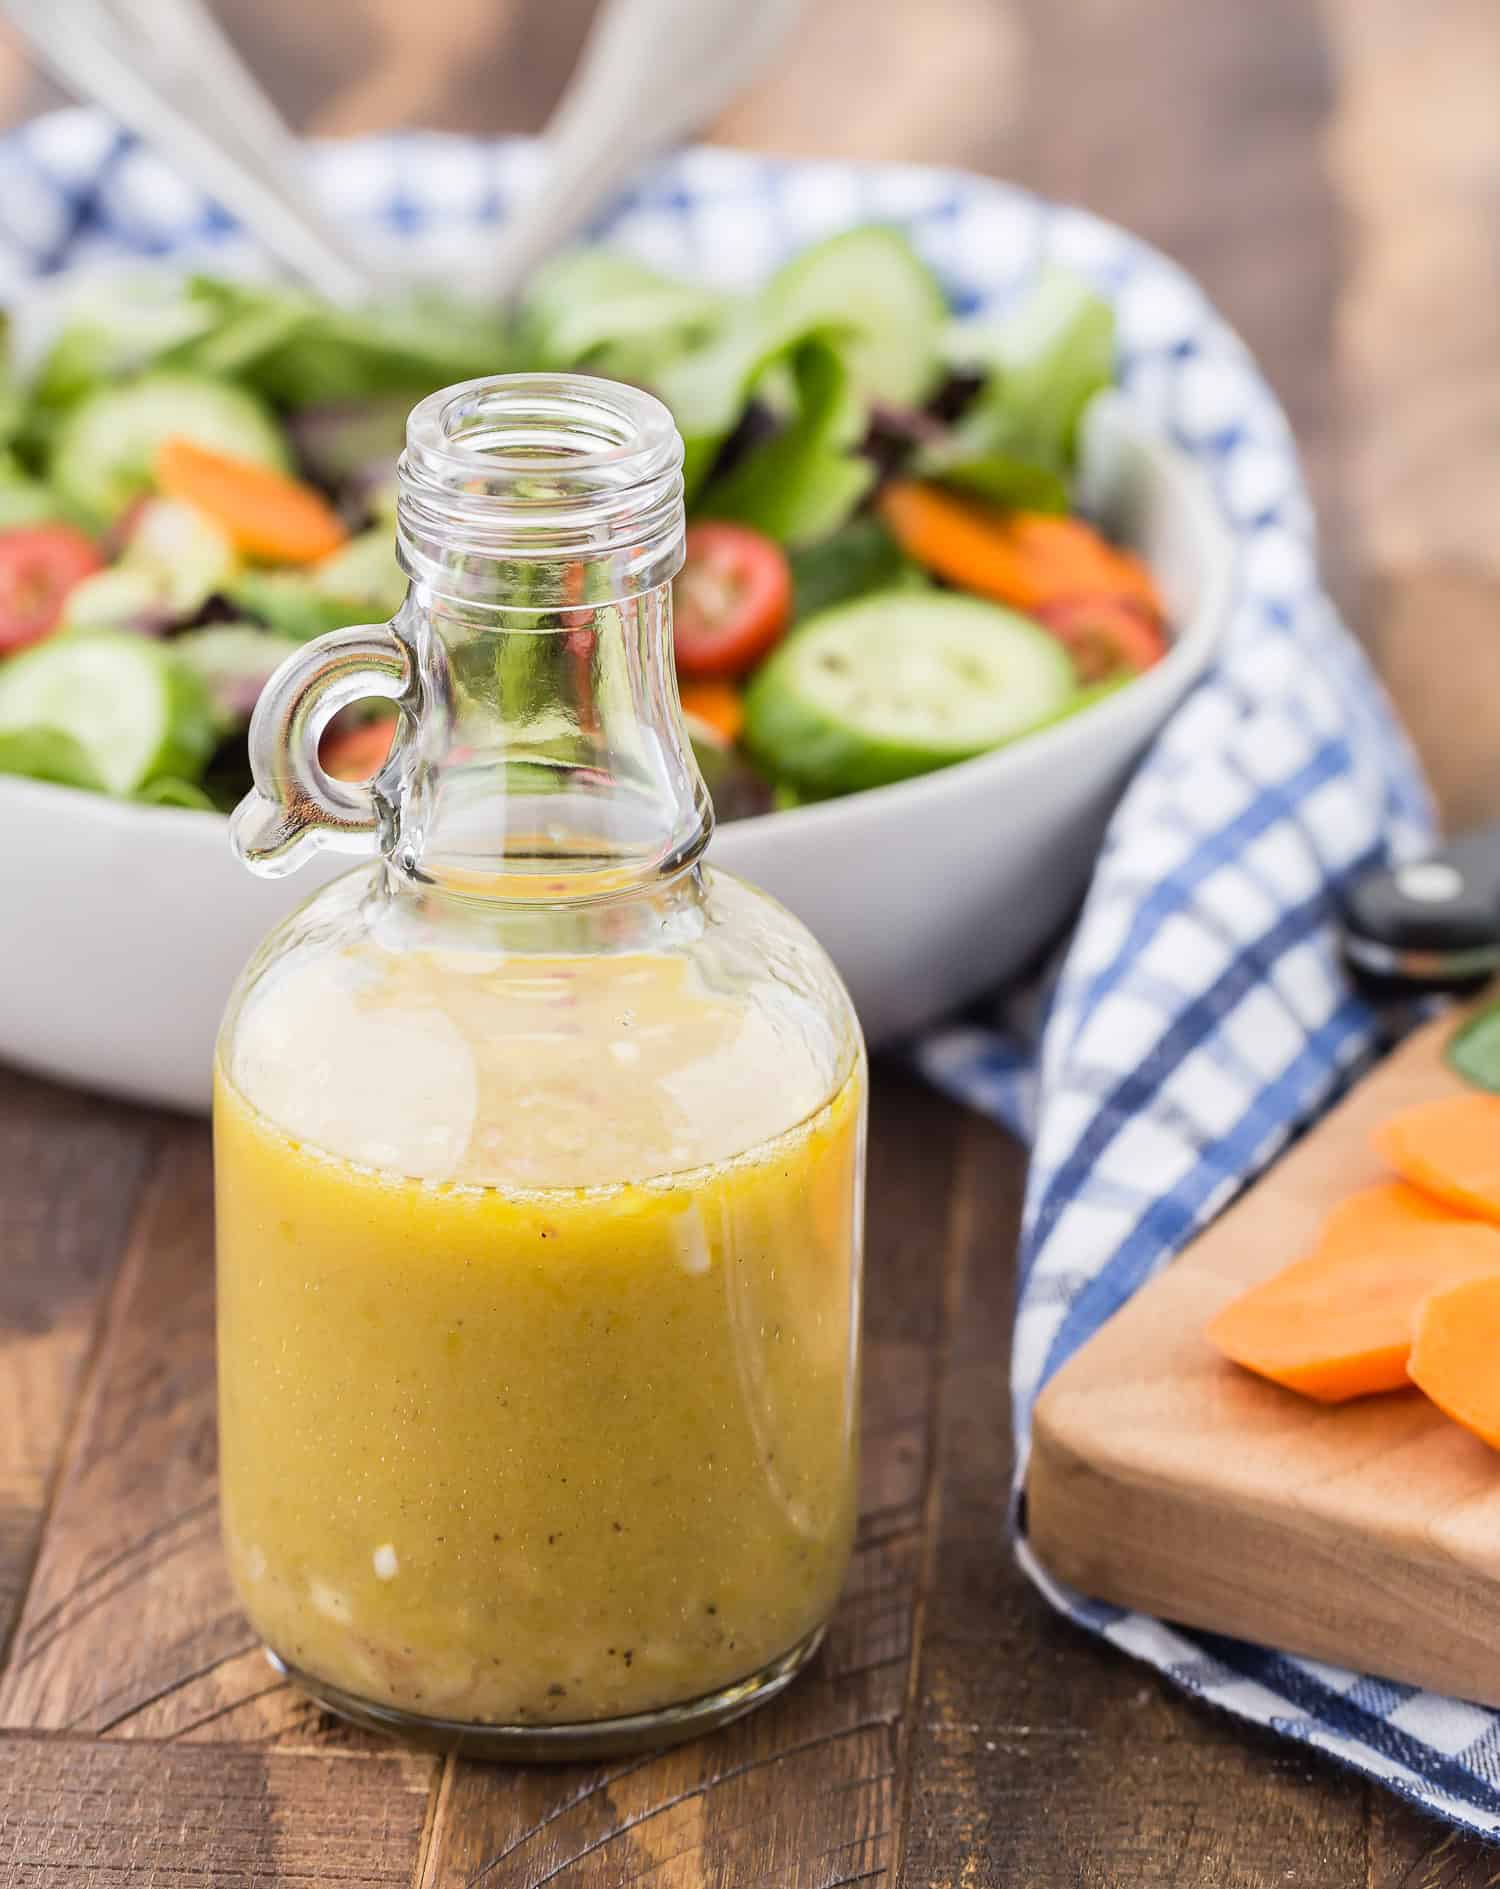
column 1202, row 129
column 830, row 93
column 71, row 1171
column 130, row 1627
column 802, row 1793
column 1436, row 634
column 1037, row 1755
column 481, row 66
column 1040, row 1756
column 78, row 1814
column 1415, row 149
column 1408, row 1851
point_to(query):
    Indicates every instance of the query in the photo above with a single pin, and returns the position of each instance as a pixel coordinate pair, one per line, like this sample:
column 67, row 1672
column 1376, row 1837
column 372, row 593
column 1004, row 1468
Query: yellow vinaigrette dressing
column 539, row 1160
column 517, row 1453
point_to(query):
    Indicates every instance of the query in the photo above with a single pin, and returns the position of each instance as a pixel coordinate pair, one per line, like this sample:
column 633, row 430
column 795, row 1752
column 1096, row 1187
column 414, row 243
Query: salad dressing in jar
column 539, row 1146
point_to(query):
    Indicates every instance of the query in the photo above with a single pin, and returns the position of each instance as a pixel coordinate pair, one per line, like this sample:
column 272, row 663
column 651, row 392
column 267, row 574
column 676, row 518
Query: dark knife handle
column 1433, row 922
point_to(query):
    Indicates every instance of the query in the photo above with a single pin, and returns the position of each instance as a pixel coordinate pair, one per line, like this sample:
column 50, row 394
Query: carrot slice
column 1389, row 1211
column 1025, row 559
column 717, row 703
column 1338, row 1324
column 1449, row 1148
column 1453, row 1354
column 266, row 514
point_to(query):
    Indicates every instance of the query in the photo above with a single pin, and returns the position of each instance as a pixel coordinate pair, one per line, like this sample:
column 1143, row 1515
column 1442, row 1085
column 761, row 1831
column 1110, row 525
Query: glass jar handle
column 295, row 808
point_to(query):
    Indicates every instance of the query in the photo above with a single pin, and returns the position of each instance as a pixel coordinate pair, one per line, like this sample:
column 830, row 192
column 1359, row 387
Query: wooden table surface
column 1331, row 173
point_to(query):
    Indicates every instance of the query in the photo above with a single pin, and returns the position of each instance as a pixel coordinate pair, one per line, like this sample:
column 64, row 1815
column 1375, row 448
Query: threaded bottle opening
column 540, row 492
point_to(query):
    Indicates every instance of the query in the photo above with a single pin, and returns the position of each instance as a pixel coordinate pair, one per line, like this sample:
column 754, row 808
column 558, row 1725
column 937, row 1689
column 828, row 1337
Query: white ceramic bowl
column 122, row 927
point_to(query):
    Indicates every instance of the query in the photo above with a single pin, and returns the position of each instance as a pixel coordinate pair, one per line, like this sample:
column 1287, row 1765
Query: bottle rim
column 526, row 470
column 577, row 424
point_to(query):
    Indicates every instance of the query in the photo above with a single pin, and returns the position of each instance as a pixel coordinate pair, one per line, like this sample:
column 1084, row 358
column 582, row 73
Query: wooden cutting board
column 1163, row 1478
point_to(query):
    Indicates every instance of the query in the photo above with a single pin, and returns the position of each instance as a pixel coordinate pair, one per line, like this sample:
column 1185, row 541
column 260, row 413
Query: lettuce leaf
column 600, row 309
column 1044, row 362
column 806, row 479
column 47, row 754
column 171, row 791
column 859, row 557
column 116, row 327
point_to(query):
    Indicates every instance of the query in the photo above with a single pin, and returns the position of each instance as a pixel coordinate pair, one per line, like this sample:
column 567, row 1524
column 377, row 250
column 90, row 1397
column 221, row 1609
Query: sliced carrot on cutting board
column 1338, row 1324
column 1455, row 1355
column 1025, row 559
column 266, row 514
column 1449, row 1148
column 1389, row 1211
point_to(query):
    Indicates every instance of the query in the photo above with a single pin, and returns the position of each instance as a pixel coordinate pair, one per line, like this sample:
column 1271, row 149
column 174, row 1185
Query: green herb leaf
column 857, row 558
column 1474, row 1050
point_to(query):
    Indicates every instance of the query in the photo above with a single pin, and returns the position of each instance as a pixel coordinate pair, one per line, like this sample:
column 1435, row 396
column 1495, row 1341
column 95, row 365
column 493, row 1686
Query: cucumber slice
column 183, row 549
column 364, row 573
column 118, row 599
column 359, row 583
column 103, row 449
column 174, row 561
column 124, row 707
column 872, row 283
column 898, row 684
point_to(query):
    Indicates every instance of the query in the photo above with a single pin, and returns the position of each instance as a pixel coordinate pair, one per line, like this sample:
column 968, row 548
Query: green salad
column 885, row 573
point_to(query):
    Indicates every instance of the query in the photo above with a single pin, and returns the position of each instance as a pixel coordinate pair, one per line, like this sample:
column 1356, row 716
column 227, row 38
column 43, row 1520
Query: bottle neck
column 550, row 762
column 540, row 522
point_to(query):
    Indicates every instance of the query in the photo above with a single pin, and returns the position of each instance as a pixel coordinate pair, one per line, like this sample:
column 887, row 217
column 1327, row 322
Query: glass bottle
column 539, row 1146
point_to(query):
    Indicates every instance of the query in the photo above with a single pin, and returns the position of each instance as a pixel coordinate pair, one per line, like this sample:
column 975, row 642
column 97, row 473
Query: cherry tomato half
column 39, row 565
column 1105, row 636
column 731, row 600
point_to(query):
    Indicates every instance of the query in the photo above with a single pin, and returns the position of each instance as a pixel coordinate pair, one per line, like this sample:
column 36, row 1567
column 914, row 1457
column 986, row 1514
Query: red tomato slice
column 731, row 600
column 39, row 565
column 356, row 752
column 1105, row 636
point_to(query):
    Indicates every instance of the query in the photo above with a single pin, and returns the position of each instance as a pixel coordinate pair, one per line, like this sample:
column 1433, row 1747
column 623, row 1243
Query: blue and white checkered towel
column 1200, row 1016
